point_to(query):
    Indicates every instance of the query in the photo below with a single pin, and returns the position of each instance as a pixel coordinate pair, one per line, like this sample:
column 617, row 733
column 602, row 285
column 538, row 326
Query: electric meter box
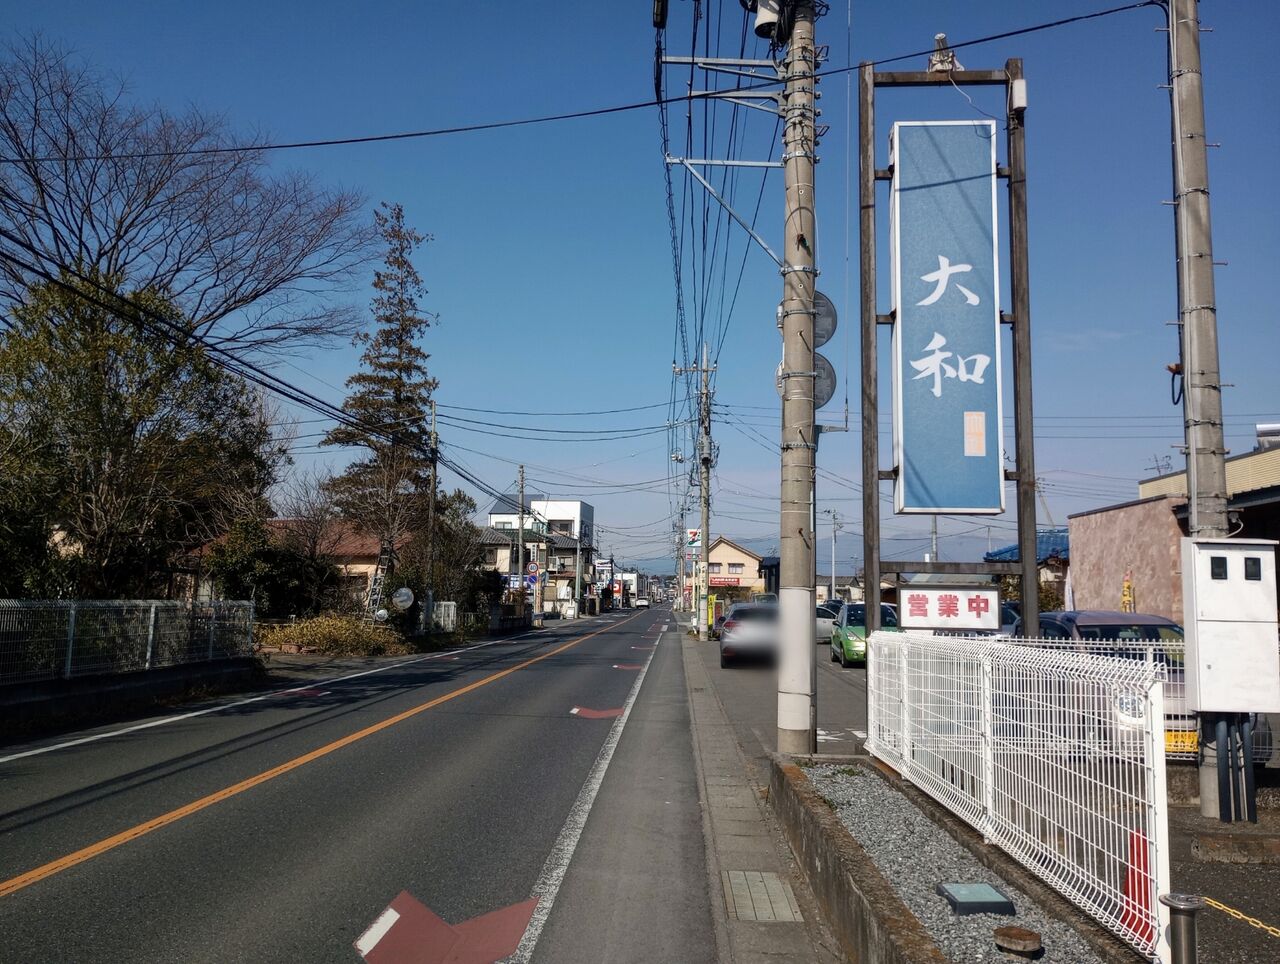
column 1229, row 612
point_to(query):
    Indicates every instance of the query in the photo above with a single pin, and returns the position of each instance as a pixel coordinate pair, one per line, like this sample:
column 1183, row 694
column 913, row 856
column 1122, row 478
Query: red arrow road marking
column 408, row 932
column 588, row 714
column 627, row 666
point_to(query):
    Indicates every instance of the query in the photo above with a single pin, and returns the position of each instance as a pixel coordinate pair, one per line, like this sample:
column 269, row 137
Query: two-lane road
column 283, row 828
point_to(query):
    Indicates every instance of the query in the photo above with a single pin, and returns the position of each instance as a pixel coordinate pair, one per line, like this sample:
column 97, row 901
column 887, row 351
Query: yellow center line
column 155, row 823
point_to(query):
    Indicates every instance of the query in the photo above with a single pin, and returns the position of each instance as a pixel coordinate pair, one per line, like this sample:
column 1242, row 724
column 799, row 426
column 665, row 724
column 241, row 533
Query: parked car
column 1120, row 634
column 642, row 602
column 849, row 634
column 824, row 619
column 765, row 597
column 750, row 631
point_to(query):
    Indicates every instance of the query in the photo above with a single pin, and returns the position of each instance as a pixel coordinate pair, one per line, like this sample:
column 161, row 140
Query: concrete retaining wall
column 862, row 909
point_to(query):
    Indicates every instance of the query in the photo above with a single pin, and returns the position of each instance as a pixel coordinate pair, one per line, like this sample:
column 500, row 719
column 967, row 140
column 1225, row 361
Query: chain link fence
column 43, row 640
column 1056, row 757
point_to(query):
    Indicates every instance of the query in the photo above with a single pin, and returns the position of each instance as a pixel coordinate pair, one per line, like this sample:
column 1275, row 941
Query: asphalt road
column 749, row 695
column 282, row 829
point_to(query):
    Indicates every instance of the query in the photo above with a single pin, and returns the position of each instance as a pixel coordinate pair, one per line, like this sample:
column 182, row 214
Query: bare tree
column 313, row 528
column 162, row 202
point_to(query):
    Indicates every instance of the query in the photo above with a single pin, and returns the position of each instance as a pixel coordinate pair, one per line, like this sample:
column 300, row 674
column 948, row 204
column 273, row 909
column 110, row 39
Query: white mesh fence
column 1180, row 739
column 41, row 639
column 1056, row 757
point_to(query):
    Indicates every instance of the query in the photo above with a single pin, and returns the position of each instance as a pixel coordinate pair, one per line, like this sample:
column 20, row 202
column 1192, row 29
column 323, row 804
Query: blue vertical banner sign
column 948, row 435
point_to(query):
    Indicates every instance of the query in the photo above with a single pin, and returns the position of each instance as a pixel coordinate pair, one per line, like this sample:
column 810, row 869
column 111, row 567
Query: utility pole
column 520, row 539
column 933, row 538
column 797, row 720
column 1198, row 320
column 835, row 528
column 431, row 521
column 705, row 458
column 704, row 477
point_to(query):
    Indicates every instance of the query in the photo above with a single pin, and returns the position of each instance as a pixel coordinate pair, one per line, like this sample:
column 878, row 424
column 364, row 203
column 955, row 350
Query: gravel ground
column 915, row 854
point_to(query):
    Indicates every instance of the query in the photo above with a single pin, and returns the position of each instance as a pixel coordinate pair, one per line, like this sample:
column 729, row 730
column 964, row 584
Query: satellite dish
column 824, row 319
column 382, row 615
column 824, row 383
column 402, row 598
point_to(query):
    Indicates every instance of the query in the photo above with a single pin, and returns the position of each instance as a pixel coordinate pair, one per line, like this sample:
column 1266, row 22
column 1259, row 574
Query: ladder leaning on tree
column 373, row 601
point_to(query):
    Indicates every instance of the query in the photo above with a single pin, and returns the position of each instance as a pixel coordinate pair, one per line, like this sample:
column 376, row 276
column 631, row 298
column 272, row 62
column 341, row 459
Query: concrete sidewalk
column 763, row 910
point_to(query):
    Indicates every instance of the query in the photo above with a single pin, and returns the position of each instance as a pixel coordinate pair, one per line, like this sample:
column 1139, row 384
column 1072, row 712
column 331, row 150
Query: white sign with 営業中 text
column 947, row 607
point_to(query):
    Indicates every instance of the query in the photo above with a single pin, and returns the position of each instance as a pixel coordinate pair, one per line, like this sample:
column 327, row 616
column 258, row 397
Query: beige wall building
column 1134, row 549
column 1134, row 545
column 733, row 570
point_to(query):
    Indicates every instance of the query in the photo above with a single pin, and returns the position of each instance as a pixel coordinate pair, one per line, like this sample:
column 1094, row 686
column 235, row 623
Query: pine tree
column 385, row 492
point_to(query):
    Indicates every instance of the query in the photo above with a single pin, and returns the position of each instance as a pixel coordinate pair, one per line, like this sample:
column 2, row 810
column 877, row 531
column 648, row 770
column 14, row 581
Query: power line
column 554, row 118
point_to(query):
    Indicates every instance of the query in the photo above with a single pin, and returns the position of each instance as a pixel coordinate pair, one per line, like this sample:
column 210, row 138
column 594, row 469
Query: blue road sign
column 947, row 418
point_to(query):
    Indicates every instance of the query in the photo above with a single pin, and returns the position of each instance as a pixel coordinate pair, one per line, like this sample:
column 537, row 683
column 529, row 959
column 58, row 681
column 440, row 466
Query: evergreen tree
column 385, row 492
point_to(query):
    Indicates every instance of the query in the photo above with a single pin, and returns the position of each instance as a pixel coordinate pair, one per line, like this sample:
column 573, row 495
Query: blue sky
column 551, row 266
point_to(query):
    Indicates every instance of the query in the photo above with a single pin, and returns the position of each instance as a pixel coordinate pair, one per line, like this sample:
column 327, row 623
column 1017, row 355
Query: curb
column 860, row 906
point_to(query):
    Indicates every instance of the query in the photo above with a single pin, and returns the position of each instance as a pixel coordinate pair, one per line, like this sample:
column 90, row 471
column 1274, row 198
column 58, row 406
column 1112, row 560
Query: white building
column 562, row 517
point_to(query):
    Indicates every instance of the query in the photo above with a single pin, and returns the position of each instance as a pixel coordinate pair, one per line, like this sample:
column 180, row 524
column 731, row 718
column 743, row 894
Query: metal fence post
column 987, row 711
column 213, row 619
column 904, row 685
column 1158, row 817
column 71, row 640
column 1182, row 930
column 151, row 636
column 869, row 743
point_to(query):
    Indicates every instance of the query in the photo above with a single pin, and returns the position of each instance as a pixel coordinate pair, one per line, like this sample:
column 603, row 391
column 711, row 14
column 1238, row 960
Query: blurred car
column 765, row 597
column 642, row 602
column 849, row 634
column 750, row 631
column 824, row 619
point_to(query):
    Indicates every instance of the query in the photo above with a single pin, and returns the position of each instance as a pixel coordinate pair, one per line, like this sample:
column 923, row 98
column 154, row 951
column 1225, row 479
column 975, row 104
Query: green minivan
column 849, row 634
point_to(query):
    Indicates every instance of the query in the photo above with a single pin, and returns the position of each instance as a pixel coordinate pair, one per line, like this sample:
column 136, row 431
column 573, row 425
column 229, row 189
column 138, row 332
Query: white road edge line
column 557, row 864
column 253, row 699
column 377, row 931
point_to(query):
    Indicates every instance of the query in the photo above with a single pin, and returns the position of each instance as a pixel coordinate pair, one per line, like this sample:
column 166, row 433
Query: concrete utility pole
column 836, row 526
column 704, row 495
column 797, row 721
column 701, row 586
column 1198, row 320
column 520, row 540
column 1197, row 311
column 431, row 520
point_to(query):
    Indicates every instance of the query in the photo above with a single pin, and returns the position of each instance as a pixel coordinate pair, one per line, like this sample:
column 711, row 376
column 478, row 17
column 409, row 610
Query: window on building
column 503, row 525
column 563, row 527
column 735, row 569
column 491, row 557
column 713, row 568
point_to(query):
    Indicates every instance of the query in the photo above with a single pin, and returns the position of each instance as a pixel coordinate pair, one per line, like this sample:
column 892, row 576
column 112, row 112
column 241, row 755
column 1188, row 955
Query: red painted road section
column 627, row 666
column 418, row 936
column 589, row 714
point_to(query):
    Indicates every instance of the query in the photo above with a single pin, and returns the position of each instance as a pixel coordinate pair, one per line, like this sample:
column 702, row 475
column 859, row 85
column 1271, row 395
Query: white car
column 824, row 620
column 642, row 602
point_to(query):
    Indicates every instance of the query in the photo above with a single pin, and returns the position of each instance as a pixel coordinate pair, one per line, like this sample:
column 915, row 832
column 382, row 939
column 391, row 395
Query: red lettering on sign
column 948, row 605
column 917, row 605
column 979, row 605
